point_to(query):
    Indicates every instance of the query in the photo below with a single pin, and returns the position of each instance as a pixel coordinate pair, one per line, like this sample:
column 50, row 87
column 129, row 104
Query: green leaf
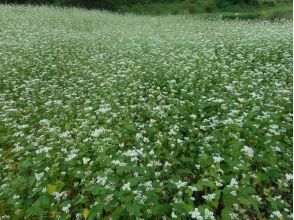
column 189, row 192
column 245, row 180
column 52, row 188
column 228, row 199
column 116, row 214
column 133, row 181
column 24, row 165
column 96, row 190
column 43, row 201
column 130, row 127
column 133, row 209
column 245, row 201
column 94, row 210
column 225, row 215
column 36, row 211
column 246, row 191
column 86, row 213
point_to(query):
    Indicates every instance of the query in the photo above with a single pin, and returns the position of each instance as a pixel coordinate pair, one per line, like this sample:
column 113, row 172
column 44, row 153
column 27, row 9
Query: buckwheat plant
column 107, row 116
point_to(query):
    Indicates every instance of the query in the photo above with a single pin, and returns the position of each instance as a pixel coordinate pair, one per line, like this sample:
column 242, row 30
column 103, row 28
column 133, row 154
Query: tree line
column 114, row 5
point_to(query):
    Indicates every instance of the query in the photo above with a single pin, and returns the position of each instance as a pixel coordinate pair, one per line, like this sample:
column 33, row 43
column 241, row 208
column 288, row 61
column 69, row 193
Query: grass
column 141, row 117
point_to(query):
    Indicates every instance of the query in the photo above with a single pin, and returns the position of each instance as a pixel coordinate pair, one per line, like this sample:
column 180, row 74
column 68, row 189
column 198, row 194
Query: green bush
column 210, row 8
column 192, row 10
column 208, row 5
column 175, row 12
column 123, row 9
column 137, row 9
column 267, row 3
column 158, row 12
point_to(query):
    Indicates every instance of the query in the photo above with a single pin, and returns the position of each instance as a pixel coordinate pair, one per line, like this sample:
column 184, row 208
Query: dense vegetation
column 105, row 116
column 117, row 5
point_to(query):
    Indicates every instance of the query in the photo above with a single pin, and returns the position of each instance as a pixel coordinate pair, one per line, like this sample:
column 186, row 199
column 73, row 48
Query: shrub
column 158, row 12
column 138, row 9
column 269, row 3
column 208, row 5
column 192, row 10
column 123, row 9
column 209, row 8
column 175, row 12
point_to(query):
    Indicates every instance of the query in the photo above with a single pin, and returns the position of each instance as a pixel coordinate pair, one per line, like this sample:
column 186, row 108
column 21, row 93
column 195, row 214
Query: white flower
column 209, row 197
column 218, row 184
column 71, row 156
column 126, row 187
column 44, row 122
column 233, row 183
column 180, row 184
column 233, row 215
column 119, row 163
column 151, row 152
column 276, row 149
column 86, row 160
column 209, row 214
column 230, row 87
column 103, row 109
column 248, row 151
column 193, row 188
column 277, row 214
column 139, row 197
column 289, row 177
column 193, row 116
column 60, row 195
column 97, row 132
column 148, row 186
column 101, row 180
column 217, row 159
column 66, row 208
column 258, row 198
column 15, row 196
column 196, row 214
column 133, row 153
column 39, row 176
column 78, row 216
column 109, row 198
column 233, row 193
column 173, row 215
column 167, row 164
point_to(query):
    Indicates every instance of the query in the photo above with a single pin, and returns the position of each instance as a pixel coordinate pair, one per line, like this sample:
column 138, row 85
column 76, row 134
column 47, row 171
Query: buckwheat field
column 107, row 116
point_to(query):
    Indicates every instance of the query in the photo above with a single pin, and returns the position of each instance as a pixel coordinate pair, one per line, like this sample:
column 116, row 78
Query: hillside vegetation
column 264, row 9
column 108, row 116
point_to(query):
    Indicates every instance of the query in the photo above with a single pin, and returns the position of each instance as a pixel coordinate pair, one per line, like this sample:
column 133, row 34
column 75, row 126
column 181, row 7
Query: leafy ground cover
column 105, row 116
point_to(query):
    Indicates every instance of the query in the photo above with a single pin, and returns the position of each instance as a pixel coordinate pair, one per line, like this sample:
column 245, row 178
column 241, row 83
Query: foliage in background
column 228, row 10
column 117, row 5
